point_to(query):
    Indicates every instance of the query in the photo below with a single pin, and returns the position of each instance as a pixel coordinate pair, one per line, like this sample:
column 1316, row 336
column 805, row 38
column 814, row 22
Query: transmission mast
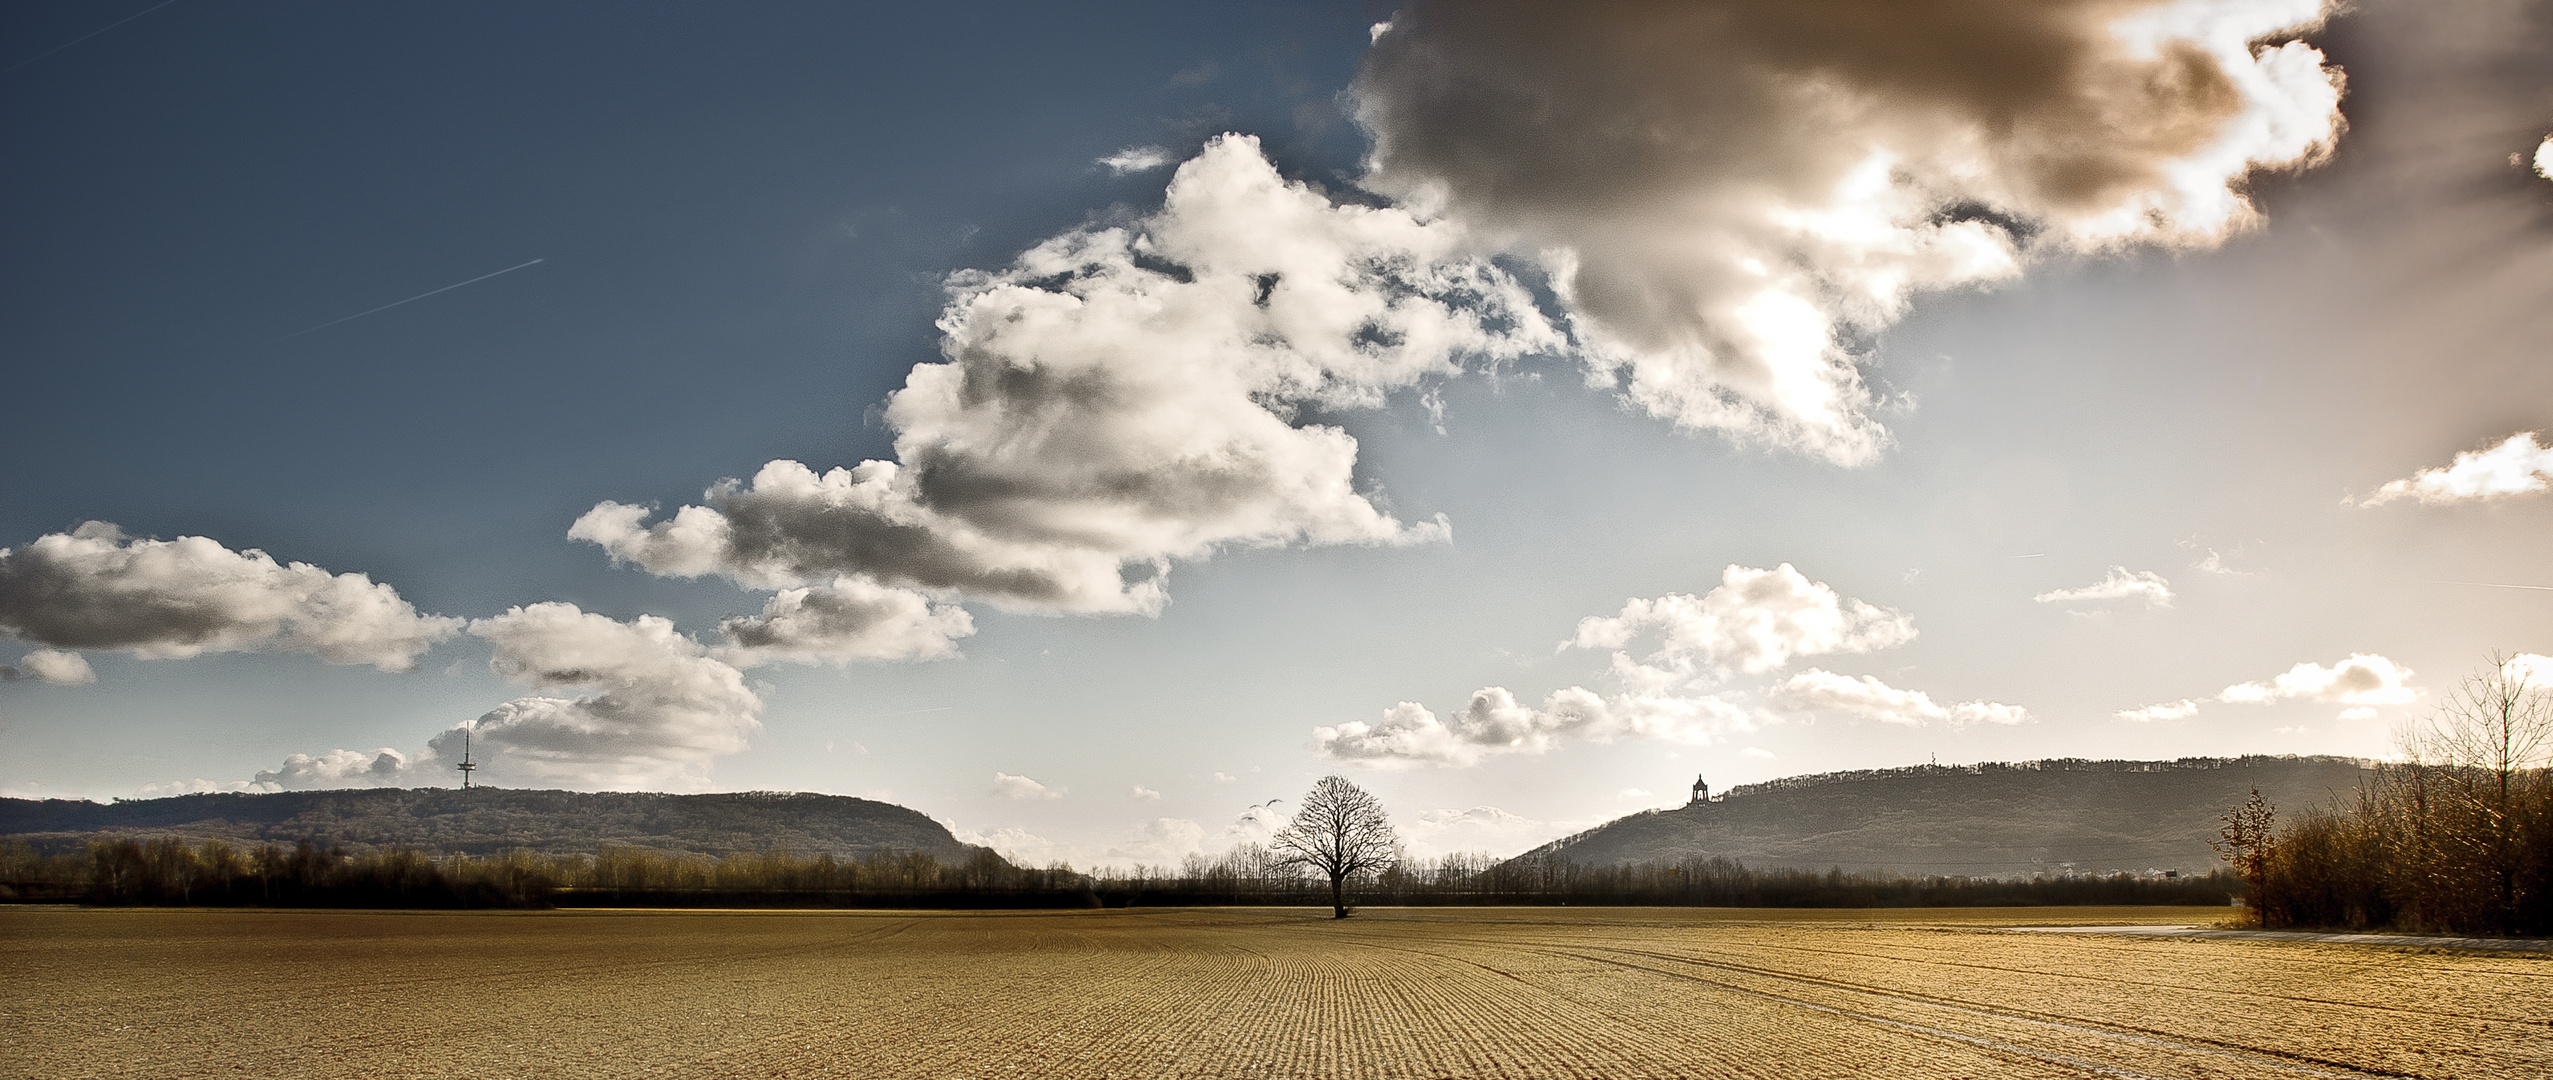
column 466, row 766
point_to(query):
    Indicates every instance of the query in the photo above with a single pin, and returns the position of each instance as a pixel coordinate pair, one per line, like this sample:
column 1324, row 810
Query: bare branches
column 2457, row 836
column 2498, row 721
column 2246, row 842
column 1340, row 832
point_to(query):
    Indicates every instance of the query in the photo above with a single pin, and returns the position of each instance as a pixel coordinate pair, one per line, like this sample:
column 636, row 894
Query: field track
column 1606, row 994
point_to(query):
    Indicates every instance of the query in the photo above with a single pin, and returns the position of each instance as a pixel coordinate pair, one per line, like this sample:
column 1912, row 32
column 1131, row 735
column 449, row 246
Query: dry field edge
column 1611, row 993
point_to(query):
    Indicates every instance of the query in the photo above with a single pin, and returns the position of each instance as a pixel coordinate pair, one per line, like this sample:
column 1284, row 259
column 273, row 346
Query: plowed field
column 1244, row 993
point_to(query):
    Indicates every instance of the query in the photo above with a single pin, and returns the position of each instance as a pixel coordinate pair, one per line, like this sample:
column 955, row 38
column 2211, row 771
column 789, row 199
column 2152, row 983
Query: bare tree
column 2246, row 841
column 2498, row 723
column 2475, row 775
column 1340, row 832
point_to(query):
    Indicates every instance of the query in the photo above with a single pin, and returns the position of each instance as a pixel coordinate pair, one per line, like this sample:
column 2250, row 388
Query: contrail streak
column 386, row 307
column 86, row 36
column 2495, row 585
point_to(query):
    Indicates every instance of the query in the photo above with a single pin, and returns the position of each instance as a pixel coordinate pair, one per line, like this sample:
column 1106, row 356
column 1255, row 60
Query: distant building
column 1701, row 792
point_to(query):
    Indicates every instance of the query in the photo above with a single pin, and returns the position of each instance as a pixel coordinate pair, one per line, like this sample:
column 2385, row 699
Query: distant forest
column 170, row 871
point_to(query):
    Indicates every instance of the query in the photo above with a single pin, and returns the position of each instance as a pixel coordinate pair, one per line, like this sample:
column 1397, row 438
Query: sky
column 1088, row 427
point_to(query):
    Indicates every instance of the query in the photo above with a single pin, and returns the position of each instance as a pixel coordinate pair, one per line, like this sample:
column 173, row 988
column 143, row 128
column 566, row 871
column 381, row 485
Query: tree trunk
column 1338, row 896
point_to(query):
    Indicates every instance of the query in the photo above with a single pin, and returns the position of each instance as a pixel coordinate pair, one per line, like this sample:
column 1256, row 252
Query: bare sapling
column 2246, row 842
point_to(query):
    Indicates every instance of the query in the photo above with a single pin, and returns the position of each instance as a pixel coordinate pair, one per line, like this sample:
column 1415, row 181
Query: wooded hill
column 1995, row 819
column 484, row 821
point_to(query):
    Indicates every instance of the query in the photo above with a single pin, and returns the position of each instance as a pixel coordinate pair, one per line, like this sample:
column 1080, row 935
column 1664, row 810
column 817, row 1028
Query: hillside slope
column 487, row 820
column 1981, row 820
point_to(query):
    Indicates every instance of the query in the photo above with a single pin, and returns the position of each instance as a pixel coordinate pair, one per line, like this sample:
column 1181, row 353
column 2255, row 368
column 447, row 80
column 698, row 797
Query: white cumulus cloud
column 849, row 618
column 1020, row 846
column 1135, row 159
column 1478, row 828
column 1728, row 194
column 1754, row 621
column 2214, row 562
column 1493, row 722
column 1160, row 842
column 1010, row 786
column 653, row 710
column 96, row 588
column 384, row 767
column 1667, row 652
column 1124, row 396
column 1255, row 824
column 2362, row 679
column 2515, row 466
column 196, row 786
column 2120, row 584
column 2170, row 710
column 53, row 666
column 2530, row 670
column 1862, row 696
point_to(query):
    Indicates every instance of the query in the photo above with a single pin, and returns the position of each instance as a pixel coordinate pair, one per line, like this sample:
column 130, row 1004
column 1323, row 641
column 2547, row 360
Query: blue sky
column 2175, row 422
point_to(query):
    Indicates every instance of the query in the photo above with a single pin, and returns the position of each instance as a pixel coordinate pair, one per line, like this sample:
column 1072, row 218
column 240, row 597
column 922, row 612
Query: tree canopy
column 1340, row 832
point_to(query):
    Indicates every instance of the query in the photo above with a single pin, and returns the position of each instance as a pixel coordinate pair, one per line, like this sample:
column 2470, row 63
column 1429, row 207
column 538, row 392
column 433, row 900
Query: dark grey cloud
column 1727, row 191
column 848, row 619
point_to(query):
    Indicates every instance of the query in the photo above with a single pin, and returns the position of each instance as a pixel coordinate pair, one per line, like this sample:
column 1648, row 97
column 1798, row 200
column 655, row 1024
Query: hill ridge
column 486, row 820
column 2051, row 815
column 2036, row 765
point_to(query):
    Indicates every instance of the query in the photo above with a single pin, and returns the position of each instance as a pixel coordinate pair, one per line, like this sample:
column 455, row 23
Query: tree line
column 1340, row 848
column 2456, row 837
column 1987, row 768
column 172, row 871
column 175, row 871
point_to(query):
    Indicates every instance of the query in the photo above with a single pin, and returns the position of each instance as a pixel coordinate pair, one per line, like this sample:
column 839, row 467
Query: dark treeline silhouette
column 2455, row 838
column 1718, row 882
column 214, row 873
column 168, row 871
column 174, row 871
column 1987, row 768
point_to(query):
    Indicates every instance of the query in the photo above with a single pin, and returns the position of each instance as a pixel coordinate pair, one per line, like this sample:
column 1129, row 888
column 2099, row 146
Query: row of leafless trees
column 2456, row 837
column 176, row 871
column 170, row 871
column 1481, row 878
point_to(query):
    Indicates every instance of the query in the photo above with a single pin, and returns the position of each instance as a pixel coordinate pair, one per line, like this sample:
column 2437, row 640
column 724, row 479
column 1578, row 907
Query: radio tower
column 466, row 766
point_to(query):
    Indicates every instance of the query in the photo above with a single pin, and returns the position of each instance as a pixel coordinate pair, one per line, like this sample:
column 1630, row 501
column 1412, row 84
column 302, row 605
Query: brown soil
column 1501, row 992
